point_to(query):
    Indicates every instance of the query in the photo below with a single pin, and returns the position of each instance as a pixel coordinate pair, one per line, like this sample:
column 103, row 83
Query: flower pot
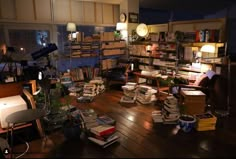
column 187, row 122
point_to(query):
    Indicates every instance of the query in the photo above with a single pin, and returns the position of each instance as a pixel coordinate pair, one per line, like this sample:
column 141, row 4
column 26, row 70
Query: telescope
column 44, row 51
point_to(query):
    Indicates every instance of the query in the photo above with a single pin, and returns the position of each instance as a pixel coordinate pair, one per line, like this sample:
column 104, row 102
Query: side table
column 22, row 116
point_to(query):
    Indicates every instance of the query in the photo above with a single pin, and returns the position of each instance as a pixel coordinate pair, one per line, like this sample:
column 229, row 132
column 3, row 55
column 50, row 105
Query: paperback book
column 104, row 144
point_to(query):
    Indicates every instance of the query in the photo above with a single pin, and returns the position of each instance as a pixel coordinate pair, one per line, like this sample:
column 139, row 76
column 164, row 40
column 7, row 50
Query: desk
column 21, row 117
column 139, row 75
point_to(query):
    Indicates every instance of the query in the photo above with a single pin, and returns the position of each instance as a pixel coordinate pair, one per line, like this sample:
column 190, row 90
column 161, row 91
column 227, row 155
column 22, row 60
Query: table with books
column 100, row 129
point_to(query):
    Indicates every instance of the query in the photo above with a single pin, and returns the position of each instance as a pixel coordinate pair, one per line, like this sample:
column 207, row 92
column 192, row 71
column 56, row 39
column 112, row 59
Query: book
column 103, row 137
column 85, row 99
column 104, row 119
column 103, row 129
column 206, row 117
column 88, row 114
column 104, row 144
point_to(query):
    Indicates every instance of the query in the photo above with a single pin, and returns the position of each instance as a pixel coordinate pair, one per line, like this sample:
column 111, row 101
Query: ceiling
column 206, row 6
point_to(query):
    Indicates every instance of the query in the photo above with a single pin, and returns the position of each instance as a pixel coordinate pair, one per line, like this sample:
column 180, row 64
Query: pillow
column 210, row 74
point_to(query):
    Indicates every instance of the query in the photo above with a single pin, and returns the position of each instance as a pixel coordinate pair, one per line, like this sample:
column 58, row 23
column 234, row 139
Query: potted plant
column 72, row 126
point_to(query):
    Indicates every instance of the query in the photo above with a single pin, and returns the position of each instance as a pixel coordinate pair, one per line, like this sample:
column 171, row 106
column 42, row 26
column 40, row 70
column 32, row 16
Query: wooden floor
column 139, row 136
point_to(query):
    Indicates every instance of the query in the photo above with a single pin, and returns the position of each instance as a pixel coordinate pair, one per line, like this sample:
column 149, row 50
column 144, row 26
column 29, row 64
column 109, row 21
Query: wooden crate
column 193, row 101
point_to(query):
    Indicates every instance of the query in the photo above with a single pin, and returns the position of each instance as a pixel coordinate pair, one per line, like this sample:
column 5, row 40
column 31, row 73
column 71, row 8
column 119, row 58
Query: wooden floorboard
column 140, row 137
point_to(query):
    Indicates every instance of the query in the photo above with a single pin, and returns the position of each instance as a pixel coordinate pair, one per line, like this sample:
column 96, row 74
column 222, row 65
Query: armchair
column 214, row 87
column 120, row 74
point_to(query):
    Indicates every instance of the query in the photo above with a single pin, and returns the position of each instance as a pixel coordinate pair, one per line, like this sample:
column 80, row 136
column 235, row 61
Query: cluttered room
column 124, row 79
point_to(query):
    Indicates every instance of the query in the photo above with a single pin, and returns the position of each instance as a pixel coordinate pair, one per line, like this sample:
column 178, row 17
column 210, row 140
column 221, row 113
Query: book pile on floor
column 146, row 94
column 100, row 128
column 157, row 116
column 170, row 110
column 129, row 93
column 99, row 83
column 88, row 117
column 91, row 89
column 206, row 121
column 103, row 135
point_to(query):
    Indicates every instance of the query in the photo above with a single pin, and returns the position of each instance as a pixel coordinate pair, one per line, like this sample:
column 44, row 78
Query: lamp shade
column 121, row 26
column 208, row 48
column 71, row 26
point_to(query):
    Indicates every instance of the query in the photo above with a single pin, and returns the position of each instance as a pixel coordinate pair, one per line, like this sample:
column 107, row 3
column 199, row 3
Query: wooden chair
column 33, row 105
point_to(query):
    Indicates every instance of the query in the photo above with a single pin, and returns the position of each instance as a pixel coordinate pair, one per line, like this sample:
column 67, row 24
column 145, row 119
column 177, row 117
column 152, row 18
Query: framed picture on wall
column 133, row 17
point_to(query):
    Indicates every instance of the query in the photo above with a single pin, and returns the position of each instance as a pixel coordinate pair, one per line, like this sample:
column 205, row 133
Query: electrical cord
column 27, row 149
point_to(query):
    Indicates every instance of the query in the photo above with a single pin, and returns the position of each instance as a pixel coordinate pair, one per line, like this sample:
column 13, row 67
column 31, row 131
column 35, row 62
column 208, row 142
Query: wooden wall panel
column 116, row 11
column 43, row 10
column 98, row 11
column 25, row 10
column 107, row 13
column 89, row 12
column 7, row 6
column 77, row 11
column 62, row 11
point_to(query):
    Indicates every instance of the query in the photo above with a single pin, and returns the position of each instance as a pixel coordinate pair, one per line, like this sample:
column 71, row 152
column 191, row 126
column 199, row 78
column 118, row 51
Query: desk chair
column 22, row 116
column 215, row 88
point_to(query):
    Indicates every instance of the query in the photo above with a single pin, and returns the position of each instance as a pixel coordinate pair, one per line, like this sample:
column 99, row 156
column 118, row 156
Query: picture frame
column 133, row 17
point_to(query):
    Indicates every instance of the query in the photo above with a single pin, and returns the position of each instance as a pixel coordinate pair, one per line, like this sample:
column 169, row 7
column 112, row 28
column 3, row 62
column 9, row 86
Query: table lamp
column 210, row 49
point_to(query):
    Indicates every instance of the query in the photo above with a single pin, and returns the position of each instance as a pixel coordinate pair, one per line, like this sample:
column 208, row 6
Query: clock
column 142, row 30
column 122, row 17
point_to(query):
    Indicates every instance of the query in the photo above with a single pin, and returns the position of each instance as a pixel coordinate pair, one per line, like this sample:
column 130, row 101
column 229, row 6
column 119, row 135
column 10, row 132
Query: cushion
column 210, row 74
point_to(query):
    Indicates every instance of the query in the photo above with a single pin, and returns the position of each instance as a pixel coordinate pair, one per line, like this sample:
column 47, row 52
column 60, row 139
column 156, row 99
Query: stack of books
column 157, row 116
column 170, row 110
column 88, row 117
column 129, row 93
column 103, row 135
column 85, row 99
column 205, row 122
column 89, row 90
column 146, row 94
column 99, row 83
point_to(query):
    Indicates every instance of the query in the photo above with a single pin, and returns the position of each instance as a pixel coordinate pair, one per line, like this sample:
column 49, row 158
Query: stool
column 22, row 116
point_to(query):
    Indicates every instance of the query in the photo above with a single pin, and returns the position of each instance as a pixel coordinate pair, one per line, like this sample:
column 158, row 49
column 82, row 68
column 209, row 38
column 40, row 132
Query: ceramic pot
column 187, row 122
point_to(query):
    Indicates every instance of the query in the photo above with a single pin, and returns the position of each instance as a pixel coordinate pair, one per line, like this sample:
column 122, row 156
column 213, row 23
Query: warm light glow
column 121, row 26
column 71, row 27
column 208, row 48
column 148, row 48
column 131, row 118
